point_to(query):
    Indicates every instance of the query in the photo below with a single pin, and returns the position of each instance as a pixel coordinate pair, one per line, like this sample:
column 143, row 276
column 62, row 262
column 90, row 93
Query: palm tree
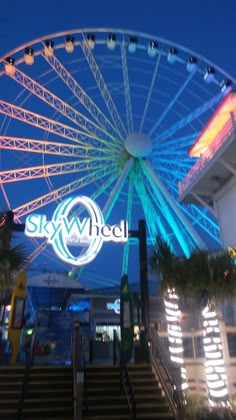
column 173, row 277
column 208, row 278
column 11, row 258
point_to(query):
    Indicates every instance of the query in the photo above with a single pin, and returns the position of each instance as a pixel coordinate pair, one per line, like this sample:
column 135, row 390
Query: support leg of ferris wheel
column 116, row 190
column 171, row 218
column 154, row 223
column 157, row 184
column 125, row 261
column 110, row 203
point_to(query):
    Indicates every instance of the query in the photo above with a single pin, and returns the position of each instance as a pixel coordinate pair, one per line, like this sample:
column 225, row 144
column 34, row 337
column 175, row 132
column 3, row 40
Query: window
column 188, row 347
column 104, row 332
column 199, row 349
column 231, row 337
column 229, row 314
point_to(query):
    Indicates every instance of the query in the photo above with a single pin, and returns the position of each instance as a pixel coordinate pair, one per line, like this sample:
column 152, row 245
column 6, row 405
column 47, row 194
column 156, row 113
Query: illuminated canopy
column 214, row 125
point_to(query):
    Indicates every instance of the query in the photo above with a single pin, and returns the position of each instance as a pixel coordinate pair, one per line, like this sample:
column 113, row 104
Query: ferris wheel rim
column 120, row 31
column 129, row 32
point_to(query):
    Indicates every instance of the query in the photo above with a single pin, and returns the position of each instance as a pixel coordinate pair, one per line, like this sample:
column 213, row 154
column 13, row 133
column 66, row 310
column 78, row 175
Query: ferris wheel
column 111, row 114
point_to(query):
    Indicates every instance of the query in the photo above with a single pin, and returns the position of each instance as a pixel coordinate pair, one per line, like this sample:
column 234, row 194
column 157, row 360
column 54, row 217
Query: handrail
column 74, row 362
column 125, row 382
column 165, row 374
column 28, row 364
column 214, row 147
column 78, row 366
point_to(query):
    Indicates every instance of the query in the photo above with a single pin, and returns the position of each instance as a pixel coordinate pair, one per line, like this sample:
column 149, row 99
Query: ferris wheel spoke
column 162, row 192
column 150, row 92
column 55, row 169
column 168, row 231
column 103, row 88
column 62, row 191
column 125, row 260
column 202, row 220
column 171, row 176
column 50, row 125
column 126, row 87
column 204, row 203
column 59, row 105
column 175, row 144
column 36, row 252
column 189, row 118
column 45, row 147
column 98, row 280
column 5, row 196
column 113, row 196
column 105, row 185
column 175, row 170
column 185, row 163
column 171, row 104
column 117, row 189
column 91, row 93
column 160, row 208
column 40, row 247
column 175, row 167
column 200, row 217
column 81, row 95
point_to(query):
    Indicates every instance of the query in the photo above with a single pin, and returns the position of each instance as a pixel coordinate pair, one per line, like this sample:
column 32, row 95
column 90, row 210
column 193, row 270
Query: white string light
column 215, row 369
column 175, row 334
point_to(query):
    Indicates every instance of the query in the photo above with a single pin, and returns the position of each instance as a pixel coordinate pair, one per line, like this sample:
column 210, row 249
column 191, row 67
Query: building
column 211, row 183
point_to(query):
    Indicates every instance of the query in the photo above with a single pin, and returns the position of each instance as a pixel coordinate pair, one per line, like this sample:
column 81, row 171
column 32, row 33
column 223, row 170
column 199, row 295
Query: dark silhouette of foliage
column 11, row 257
column 202, row 275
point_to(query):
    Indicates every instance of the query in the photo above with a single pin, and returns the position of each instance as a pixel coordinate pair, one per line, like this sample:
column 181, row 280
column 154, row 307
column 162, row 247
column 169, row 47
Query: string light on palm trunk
column 215, row 369
column 175, row 338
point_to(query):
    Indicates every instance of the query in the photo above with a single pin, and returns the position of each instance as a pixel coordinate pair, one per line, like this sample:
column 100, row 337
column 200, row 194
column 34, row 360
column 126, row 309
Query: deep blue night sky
column 207, row 27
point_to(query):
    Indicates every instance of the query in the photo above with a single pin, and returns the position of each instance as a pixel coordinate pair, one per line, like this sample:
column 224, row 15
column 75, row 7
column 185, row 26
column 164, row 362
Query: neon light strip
column 220, row 139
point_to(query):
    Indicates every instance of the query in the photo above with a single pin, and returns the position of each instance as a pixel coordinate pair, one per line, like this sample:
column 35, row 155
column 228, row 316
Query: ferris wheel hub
column 138, row 145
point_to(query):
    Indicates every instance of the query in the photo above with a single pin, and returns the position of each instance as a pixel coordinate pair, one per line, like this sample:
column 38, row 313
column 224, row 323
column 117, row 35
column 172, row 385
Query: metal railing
column 125, row 382
column 166, row 375
column 220, row 139
column 28, row 364
column 79, row 373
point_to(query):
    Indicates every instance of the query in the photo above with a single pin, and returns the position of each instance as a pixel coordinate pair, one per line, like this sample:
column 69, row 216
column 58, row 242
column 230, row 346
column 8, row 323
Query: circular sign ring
column 59, row 243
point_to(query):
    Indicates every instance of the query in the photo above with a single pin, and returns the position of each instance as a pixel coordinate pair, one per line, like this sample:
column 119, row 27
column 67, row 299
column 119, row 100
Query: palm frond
column 11, row 257
column 201, row 275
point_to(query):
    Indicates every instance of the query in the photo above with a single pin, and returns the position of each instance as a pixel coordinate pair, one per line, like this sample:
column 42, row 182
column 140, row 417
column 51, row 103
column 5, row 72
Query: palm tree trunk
column 171, row 301
column 215, row 369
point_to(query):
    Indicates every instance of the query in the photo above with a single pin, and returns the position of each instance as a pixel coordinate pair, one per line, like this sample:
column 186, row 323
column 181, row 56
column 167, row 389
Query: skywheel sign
column 64, row 231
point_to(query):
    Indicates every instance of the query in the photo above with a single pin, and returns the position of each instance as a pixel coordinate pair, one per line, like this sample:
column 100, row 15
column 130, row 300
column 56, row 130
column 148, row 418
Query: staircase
column 150, row 402
column 105, row 401
column 50, row 394
column 11, row 379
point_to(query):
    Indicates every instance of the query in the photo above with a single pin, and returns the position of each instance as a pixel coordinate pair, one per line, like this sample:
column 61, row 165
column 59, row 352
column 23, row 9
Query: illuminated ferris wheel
column 110, row 114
